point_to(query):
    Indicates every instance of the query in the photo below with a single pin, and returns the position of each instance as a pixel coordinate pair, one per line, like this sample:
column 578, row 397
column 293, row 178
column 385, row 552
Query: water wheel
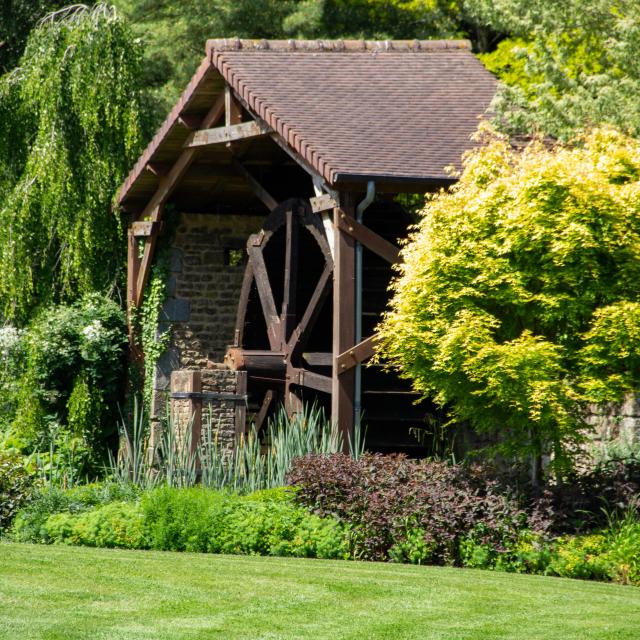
column 283, row 334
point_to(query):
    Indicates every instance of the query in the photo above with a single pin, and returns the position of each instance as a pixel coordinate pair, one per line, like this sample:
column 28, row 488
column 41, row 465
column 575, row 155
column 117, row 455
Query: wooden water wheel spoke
column 261, row 278
column 298, row 339
column 245, row 292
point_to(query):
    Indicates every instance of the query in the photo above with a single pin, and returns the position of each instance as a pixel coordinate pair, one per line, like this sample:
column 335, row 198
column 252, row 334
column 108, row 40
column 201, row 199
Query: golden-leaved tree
column 518, row 300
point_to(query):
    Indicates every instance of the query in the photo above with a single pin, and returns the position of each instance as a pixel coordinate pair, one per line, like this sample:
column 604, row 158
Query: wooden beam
column 318, row 358
column 133, row 267
column 256, row 361
column 343, row 385
column 300, row 335
column 262, row 414
column 243, row 303
column 305, row 378
column 357, row 354
column 368, row 238
column 221, row 135
column 145, row 228
column 261, row 193
column 154, row 208
column 241, row 407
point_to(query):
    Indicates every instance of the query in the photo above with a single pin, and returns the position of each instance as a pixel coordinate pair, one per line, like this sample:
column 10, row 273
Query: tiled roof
column 357, row 110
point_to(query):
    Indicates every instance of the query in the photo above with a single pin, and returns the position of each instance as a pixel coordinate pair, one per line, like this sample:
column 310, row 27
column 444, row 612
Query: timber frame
column 223, row 143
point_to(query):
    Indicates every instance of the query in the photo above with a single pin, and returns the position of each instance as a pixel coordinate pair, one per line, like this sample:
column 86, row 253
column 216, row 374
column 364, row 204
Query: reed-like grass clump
column 255, row 461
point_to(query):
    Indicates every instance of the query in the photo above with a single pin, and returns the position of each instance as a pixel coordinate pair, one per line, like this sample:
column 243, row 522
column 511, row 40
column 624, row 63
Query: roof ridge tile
column 330, row 46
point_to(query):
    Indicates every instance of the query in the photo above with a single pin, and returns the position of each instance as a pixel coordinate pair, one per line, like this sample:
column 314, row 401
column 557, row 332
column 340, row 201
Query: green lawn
column 72, row 592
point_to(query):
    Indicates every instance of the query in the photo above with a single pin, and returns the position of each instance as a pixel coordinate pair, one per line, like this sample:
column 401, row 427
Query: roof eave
column 392, row 183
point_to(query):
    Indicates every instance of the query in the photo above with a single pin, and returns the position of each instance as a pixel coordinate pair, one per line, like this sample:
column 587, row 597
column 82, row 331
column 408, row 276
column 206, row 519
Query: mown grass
column 69, row 592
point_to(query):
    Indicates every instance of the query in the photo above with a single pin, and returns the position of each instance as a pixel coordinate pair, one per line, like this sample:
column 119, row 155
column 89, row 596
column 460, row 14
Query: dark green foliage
column 17, row 18
column 69, row 133
column 70, row 381
column 578, row 66
column 375, row 19
column 16, row 487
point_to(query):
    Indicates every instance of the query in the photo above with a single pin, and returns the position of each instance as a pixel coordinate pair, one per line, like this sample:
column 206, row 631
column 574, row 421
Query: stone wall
column 206, row 271
column 615, row 423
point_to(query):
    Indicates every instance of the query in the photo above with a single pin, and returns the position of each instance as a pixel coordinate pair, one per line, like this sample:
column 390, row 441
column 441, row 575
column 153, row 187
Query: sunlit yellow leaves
column 519, row 292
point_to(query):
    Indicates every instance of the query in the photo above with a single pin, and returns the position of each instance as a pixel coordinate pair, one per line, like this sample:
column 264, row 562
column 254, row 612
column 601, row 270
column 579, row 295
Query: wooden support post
column 343, row 382
column 133, row 267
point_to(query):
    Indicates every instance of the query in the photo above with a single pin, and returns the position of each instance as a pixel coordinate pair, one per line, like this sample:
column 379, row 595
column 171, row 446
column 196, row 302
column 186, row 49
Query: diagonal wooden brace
column 368, row 238
column 357, row 354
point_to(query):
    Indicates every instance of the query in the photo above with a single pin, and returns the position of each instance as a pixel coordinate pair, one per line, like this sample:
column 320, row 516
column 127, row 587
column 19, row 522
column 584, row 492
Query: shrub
column 29, row 525
column 119, row 524
column 587, row 501
column 581, row 557
column 527, row 553
column 16, row 486
column 412, row 510
column 266, row 524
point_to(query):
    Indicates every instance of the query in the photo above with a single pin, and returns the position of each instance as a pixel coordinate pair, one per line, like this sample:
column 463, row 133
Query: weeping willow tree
column 70, row 128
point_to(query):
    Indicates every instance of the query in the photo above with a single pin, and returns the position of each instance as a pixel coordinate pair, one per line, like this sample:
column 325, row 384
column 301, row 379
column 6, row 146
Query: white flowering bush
column 70, row 379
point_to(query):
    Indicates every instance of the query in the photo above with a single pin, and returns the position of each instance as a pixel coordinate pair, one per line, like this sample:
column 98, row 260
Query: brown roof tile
column 355, row 110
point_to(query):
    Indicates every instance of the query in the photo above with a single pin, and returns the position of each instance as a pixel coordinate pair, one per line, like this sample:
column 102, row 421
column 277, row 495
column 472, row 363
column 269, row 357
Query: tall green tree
column 574, row 64
column 174, row 32
column 70, row 130
column 17, row 18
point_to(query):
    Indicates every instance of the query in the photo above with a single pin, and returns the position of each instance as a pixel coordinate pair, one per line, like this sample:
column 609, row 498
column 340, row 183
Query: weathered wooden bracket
column 146, row 228
column 368, row 238
column 357, row 354
column 232, row 108
column 322, row 203
column 219, row 135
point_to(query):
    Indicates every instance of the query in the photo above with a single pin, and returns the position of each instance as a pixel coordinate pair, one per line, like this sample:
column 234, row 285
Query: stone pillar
column 212, row 398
